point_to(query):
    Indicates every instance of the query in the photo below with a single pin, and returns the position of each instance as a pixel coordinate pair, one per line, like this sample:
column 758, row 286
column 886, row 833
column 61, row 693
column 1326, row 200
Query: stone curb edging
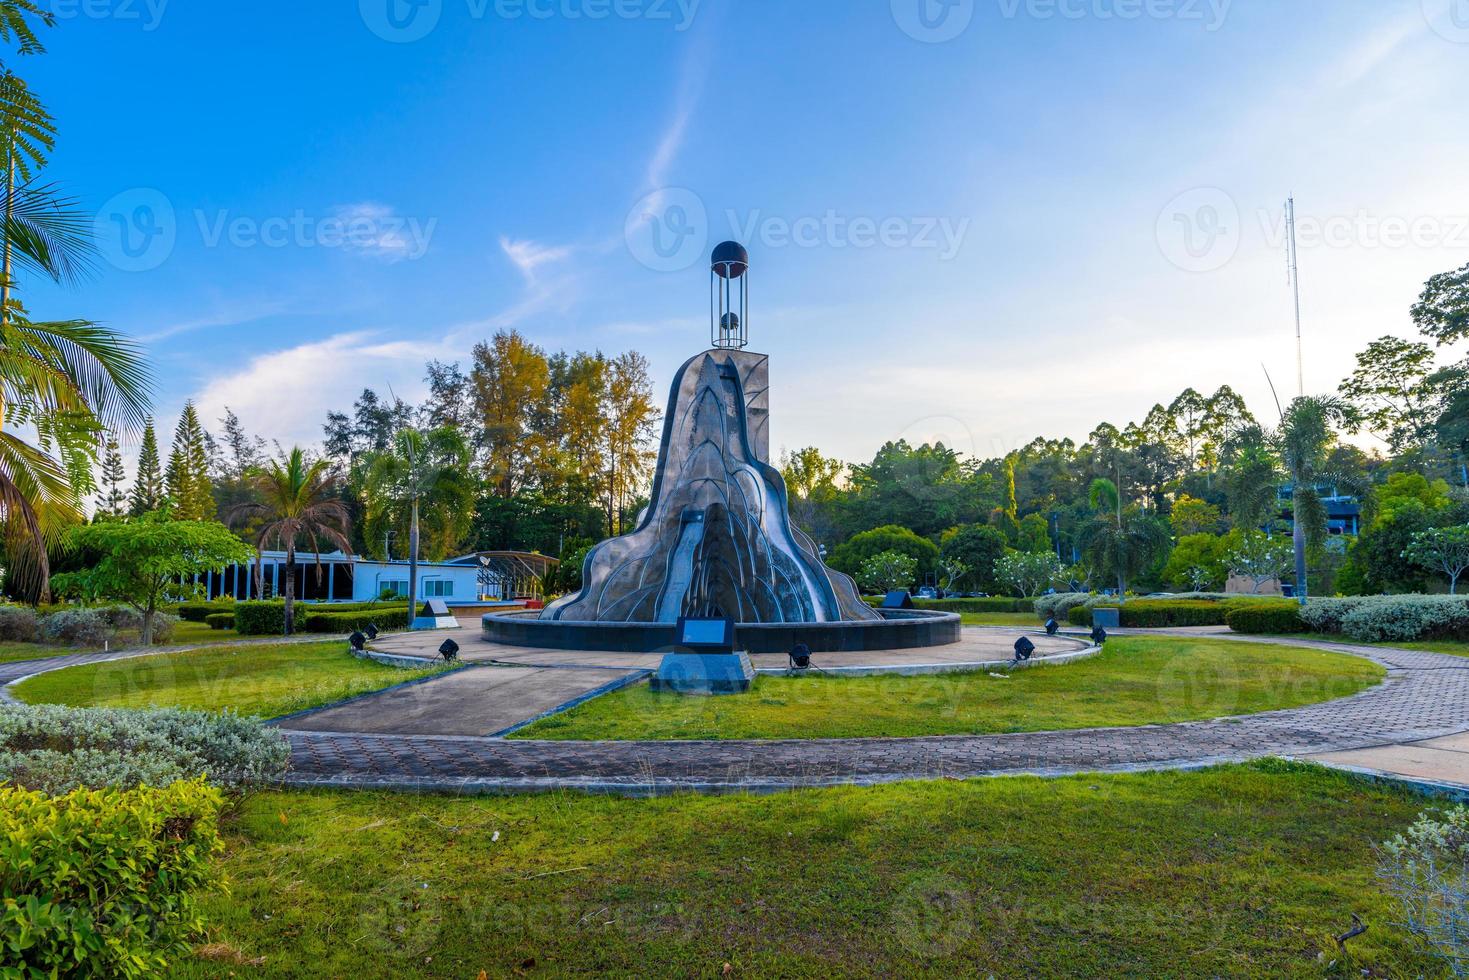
column 636, row 676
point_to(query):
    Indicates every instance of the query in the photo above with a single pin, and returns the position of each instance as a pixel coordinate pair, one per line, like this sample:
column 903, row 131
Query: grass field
column 265, row 680
column 1137, row 681
column 1240, row 871
column 1027, row 621
column 1458, row 648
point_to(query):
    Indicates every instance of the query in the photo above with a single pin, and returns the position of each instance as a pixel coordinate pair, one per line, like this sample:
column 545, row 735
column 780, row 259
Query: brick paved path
column 1425, row 695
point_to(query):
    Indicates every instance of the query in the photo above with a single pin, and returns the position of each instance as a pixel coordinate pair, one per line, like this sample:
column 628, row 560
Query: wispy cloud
column 528, row 256
column 378, row 231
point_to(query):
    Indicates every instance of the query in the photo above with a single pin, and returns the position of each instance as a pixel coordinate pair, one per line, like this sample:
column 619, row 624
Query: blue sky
column 1064, row 212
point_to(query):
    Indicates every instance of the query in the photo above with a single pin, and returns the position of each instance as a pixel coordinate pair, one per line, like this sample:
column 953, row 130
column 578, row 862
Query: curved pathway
column 1425, row 695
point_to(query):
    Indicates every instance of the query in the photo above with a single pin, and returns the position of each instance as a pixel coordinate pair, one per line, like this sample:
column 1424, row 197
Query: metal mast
column 1295, row 278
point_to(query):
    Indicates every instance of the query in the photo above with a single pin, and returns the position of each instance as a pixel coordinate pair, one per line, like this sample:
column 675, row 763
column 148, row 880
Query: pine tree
column 188, row 469
column 147, row 492
column 113, row 499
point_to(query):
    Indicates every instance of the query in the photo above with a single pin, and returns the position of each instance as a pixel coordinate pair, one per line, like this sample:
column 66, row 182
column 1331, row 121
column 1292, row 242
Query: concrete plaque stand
column 704, row 673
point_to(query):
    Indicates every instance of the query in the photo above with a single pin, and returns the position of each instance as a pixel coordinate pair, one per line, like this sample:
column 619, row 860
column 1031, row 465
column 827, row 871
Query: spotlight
column 1023, row 649
column 358, row 641
column 1099, row 635
column 1052, row 626
column 371, row 631
column 800, row 657
column 449, row 651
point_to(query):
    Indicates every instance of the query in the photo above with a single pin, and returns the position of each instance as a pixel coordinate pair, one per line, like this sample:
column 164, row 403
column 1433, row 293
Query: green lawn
column 1238, row 871
column 187, row 632
column 1137, row 681
column 1458, row 648
column 1026, row 621
column 266, row 680
column 11, row 651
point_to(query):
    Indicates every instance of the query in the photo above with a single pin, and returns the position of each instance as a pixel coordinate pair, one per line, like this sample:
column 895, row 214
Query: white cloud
column 528, row 256
column 378, row 231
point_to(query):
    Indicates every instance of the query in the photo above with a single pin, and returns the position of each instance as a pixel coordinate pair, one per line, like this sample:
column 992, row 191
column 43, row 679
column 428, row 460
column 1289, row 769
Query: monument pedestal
column 704, row 673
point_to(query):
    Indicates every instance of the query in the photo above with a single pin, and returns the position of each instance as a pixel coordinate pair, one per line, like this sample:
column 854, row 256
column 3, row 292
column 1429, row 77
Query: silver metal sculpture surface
column 716, row 538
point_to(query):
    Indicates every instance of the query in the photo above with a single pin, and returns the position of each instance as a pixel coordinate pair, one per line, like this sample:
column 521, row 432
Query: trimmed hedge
column 1159, row 613
column 268, row 618
column 221, row 621
column 198, row 612
column 1265, row 617
column 1391, row 617
column 385, row 618
column 101, row 883
column 992, row 605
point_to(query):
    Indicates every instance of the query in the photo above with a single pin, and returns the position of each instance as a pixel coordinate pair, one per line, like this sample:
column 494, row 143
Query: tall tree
column 1307, row 432
column 1393, row 392
column 147, row 493
column 631, row 419
column 1120, row 541
column 113, row 500
column 421, row 471
column 297, row 504
column 812, row 486
column 187, row 477
column 241, row 452
column 511, row 382
column 1442, row 311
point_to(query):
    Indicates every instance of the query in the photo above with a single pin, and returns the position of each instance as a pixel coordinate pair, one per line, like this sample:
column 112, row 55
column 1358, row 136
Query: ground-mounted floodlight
column 1099, row 635
column 358, row 641
column 371, row 631
column 449, row 650
column 1024, row 649
column 800, row 657
column 1052, row 626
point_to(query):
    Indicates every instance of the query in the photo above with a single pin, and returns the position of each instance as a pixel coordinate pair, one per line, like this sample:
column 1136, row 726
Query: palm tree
column 297, row 504
column 1252, row 479
column 419, row 470
column 1119, row 541
column 1307, row 432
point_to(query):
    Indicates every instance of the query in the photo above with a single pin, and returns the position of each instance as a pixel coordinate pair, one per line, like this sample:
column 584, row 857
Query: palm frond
column 104, row 371
column 50, row 234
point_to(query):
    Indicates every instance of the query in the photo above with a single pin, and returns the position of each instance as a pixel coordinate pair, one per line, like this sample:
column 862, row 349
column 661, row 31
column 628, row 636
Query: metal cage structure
column 729, row 300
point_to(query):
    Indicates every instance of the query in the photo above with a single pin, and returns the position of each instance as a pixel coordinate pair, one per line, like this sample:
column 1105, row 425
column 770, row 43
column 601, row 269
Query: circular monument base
column 903, row 629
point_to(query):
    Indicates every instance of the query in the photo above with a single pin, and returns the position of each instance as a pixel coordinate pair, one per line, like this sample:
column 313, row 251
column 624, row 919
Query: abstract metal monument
column 716, row 539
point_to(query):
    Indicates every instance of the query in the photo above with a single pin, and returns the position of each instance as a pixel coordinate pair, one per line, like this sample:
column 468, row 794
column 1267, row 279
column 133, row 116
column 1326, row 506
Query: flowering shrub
column 1427, row 869
column 55, row 749
column 101, row 883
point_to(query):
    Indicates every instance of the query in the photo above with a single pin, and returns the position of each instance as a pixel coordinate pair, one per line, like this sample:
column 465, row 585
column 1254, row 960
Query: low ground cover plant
column 56, row 749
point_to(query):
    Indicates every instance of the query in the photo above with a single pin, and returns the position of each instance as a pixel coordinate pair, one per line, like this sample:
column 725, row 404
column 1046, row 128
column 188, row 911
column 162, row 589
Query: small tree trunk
column 1454, row 583
column 1298, row 534
column 413, row 565
column 147, row 638
column 290, row 589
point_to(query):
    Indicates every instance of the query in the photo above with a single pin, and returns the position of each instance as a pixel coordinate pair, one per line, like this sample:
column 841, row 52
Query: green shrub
column 18, row 624
column 1155, row 613
column 384, row 617
column 1060, row 604
column 101, row 883
column 221, row 621
column 77, row 627
column 197, row 612
column 1265, row 617
column 268, row 618
column 55, row 749
column 995, row 605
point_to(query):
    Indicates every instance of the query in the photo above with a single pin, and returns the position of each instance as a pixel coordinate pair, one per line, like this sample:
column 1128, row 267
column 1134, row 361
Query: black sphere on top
column 730, row 260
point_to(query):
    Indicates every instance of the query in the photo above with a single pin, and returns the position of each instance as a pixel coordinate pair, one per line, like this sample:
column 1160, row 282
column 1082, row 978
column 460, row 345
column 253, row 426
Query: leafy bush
column 198, row 612
column 77, row 627
column 56, row 749
column 19, row 624
column 268, row 618
column 999, row 604
column 1058, row 605
column 1265, row 617
column 887, row 571
column 1156, row 613
column 384, row 617
column 1408, row 617
column 1427, row 869
column 100, row 883
column 221, row 621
